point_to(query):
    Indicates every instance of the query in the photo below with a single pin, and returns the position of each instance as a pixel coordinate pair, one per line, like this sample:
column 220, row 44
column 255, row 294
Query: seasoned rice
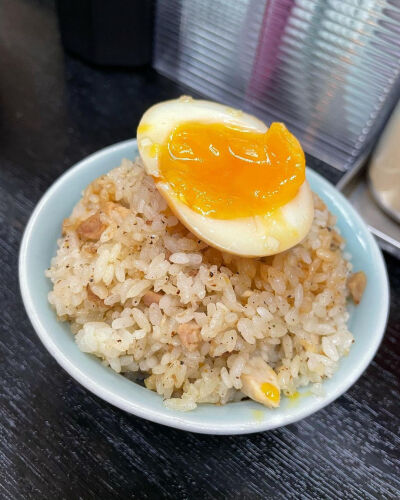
column 152, row 301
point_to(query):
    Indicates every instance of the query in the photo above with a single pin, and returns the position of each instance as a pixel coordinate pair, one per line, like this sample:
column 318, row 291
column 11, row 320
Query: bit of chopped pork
column 91, row 228
column 151, row 298
column 357, row 283
column 189, row 334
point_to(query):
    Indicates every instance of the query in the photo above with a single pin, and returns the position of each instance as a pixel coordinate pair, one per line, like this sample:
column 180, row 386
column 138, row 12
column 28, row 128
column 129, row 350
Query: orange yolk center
column 271, row 392
column 225, row 172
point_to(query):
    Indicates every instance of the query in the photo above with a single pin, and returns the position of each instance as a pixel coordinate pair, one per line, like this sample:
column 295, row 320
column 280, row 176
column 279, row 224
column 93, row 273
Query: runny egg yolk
column 226, row 172
column 271, row 392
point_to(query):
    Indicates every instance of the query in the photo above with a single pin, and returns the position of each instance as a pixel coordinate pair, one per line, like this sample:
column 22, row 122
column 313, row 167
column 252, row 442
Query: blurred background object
column 376, row 194
column 116, row 33
column 384, row 170
column 328, row 68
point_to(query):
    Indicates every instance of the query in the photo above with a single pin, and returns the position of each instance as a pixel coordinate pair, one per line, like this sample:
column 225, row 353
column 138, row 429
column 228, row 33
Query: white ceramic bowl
column 367, row 321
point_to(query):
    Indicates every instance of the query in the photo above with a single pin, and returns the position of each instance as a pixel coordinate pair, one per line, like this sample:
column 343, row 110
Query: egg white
column 255, row 236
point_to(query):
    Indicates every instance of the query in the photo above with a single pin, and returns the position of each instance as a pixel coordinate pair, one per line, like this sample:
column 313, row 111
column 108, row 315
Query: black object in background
column 116, row 33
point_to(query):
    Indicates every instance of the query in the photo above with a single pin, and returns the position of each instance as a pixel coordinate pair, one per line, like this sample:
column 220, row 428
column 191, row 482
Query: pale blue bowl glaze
column 367, row 322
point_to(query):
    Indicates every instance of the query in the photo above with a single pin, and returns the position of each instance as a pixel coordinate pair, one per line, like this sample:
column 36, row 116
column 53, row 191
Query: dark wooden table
column 57, row 440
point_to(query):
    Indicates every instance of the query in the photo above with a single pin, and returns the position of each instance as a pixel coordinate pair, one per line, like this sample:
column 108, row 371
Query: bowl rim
column 139, row 408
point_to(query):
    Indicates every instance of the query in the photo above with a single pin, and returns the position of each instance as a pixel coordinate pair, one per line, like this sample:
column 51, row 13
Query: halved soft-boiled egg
column 235, row 183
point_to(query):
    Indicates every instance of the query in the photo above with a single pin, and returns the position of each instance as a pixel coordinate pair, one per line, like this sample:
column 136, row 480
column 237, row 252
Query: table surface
column 59, row 440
